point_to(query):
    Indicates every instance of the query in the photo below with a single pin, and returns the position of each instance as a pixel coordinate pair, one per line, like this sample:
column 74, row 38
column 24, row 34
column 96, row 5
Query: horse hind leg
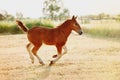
column 34, row 50
column 29, row 46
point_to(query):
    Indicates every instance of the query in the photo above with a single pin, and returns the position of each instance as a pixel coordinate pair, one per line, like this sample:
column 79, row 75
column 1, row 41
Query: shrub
column 10, row 27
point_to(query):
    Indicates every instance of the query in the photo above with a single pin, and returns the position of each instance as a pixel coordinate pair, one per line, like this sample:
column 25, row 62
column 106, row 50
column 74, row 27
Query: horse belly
column 54, row 40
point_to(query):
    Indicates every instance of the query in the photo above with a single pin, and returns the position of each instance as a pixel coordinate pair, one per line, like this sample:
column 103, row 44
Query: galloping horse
column 55, row 36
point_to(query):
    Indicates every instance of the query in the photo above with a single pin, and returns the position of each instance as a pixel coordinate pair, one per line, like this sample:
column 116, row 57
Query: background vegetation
column 102, row 25
column 99, row 25
column 10, row 27
column 52, row 10
column 103, row 28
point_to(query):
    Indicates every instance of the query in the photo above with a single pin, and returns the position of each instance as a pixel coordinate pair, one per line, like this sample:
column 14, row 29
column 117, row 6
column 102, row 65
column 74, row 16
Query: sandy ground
column 87, row 59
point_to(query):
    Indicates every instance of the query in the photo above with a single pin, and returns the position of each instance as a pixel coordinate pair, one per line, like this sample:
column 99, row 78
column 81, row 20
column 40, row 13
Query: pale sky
column 33, row 8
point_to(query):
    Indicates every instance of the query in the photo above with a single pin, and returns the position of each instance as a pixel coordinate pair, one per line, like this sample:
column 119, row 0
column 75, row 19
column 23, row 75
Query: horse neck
column 65, row 28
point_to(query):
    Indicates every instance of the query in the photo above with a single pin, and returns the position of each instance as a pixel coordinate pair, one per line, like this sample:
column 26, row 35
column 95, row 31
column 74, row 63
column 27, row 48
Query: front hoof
column 54, row 56
column 51, row 63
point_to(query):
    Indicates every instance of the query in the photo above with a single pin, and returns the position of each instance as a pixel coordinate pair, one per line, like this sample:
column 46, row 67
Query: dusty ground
column 87, row 59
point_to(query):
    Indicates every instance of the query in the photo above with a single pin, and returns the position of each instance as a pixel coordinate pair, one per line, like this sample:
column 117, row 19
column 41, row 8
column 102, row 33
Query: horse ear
column 73, row 17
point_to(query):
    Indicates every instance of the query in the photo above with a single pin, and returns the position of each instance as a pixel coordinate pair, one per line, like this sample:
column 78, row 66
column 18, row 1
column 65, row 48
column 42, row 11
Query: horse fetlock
column 32, row 59
column 65, row 52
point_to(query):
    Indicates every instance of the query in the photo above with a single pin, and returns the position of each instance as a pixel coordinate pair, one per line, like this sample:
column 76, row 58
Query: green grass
column 10, row 27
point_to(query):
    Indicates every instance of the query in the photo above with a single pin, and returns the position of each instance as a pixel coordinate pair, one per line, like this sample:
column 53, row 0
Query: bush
column 10, row 27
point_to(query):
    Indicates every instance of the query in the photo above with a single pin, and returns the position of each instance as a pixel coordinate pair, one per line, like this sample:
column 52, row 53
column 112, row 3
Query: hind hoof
column 32, row 62
column 51, row 63
column 42, row 63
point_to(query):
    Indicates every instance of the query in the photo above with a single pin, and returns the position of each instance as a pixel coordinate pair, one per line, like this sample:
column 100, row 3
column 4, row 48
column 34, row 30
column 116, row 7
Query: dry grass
column 101, row 28
column 87, row 59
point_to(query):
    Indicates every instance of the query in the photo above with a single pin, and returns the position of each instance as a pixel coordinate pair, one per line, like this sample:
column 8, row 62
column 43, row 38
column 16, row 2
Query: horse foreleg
column 59, row 50
column 56, row 59
column 34, row 50
column 65, row 51
column 29, row 46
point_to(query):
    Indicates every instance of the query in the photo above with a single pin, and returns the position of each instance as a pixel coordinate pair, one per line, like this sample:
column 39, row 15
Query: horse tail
column 23, row 27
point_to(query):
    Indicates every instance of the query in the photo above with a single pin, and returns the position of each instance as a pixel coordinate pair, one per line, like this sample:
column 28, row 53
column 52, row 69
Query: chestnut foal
column 55, row 36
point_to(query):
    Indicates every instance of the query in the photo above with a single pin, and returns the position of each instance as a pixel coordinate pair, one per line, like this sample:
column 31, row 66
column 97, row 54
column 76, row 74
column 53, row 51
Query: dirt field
column 87, row 59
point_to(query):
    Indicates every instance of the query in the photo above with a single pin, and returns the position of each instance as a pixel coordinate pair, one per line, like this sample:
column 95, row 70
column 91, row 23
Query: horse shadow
column 42, row 72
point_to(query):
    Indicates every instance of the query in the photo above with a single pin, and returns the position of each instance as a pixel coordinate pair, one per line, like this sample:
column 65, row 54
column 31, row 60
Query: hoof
column 32, row 62
column 51, row 63
column 42, row 63
column 54, row 56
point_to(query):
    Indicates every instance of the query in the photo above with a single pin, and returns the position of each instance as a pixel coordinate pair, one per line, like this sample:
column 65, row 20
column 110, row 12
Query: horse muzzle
column 80, row 32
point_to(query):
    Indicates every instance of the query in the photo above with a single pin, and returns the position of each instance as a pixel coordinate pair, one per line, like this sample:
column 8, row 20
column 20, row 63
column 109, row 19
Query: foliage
column 7, row 27
column 100, row 16
column 6, row 16
column 2, row 17
column 10, row 27
column 54, row 10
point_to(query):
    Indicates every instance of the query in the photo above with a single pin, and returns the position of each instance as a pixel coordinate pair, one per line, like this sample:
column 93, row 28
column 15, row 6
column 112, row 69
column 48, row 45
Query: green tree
column 103, row 16
column 64, row 14
column 54, row 9
column 7, row 16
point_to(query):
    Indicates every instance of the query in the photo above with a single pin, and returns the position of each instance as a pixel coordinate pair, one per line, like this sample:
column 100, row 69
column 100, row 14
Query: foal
column 56, row 36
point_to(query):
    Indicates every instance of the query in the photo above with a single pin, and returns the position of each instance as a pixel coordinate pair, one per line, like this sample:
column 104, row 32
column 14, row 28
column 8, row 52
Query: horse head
column 75, row 25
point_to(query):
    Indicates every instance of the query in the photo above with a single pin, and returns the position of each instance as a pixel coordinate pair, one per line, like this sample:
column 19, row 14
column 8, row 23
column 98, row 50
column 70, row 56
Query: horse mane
column 64, row 24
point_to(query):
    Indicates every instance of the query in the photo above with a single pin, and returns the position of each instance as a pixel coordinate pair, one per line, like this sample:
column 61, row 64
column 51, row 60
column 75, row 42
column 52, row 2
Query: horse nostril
column 80, row 32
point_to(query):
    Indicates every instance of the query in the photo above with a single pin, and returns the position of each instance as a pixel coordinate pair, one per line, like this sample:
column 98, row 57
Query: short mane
column 64, row 24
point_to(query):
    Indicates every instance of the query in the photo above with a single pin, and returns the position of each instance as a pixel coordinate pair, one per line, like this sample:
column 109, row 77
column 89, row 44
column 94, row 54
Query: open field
column 103, row 28
column 87, row 59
